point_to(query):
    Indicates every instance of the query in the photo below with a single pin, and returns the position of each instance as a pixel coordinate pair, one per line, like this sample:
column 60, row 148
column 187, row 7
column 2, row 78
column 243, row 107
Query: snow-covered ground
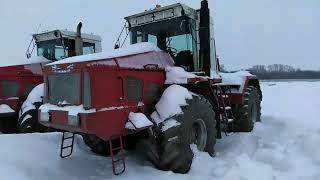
column 284, row 146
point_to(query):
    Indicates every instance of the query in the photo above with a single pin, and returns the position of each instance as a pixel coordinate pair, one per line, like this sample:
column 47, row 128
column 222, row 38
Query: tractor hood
column 137, row 56
column 116, row 53
column 31, row 66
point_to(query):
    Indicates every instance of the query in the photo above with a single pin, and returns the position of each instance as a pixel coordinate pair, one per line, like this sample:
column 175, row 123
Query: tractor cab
column 181, row 31
column 60, row 44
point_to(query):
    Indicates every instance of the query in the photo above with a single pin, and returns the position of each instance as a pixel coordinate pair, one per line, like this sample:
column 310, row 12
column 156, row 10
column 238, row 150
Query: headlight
column 44, row 117
column 73, row 120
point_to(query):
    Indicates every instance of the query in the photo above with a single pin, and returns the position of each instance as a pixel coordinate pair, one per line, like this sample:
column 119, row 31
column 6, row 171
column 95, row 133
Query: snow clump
column 170, row 103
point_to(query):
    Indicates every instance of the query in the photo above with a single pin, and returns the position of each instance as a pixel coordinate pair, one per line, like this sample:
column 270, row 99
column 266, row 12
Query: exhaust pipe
column 79, row 41
column 204, row 34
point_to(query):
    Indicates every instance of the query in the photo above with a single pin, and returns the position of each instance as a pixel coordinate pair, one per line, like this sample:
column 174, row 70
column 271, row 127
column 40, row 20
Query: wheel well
column 256, row 84
column 205, row 89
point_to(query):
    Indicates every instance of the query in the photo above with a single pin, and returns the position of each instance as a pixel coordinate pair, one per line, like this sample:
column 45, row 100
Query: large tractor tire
column 172, row 151
column 250, row 112
column 8, row 125
column 96, row 144
column 101, row 147
column 28, row 121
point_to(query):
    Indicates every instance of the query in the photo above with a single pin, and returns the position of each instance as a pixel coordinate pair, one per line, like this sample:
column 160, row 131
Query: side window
column 86, row 91
column 88, row 48
column 10, row 88
column 139, row 36
column 28, row 89
column 153, row 92
column 59, row 53
column 152, row 39
column 134, row 89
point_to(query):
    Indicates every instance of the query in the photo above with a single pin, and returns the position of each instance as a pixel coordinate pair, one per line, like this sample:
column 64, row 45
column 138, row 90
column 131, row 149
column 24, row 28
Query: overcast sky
column 248, row 32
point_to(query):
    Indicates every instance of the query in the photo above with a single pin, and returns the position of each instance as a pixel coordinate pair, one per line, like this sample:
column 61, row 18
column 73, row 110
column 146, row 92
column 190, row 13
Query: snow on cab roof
column 66, row 33
column 126, row 51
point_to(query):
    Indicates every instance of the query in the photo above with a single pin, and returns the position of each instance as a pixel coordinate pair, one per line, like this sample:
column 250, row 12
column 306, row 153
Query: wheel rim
column 199, row 134
column 254, row 113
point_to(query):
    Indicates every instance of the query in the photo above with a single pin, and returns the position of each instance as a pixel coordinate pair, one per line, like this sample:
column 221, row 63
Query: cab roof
column 67, row 34
column 160, row 14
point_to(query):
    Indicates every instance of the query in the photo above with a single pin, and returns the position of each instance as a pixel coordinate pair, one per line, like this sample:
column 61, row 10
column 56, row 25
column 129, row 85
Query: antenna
column 32, row 43
column 41, row 22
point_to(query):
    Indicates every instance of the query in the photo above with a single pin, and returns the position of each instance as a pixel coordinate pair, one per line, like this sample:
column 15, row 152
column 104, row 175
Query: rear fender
column 238, row 97
column 253, row 81
column 204, row 88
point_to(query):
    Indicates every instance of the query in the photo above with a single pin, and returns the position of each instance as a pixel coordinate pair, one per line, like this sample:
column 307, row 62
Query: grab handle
column 121, row 98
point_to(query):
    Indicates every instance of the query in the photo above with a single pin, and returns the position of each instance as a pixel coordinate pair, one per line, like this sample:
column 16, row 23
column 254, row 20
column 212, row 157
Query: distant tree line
column 280, row 71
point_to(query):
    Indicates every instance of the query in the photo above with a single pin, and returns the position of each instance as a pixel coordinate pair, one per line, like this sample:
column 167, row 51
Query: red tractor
column 18, row 82
column 164, row 92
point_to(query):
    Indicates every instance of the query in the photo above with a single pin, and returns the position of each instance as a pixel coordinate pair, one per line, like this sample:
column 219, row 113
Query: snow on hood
column 177, row 75
column 170, row 103
column 72, row 110
column 6, row 109
column 38, row 59
column 129, row 50
column 32, row 60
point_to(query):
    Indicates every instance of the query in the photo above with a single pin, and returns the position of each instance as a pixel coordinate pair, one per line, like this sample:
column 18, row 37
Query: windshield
column 182, row 47
column 55, row 50
column 175, row 36
column 51, row 49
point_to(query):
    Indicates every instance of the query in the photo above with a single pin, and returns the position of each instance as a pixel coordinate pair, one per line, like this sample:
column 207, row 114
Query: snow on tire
column 250, row 112
column 28, row 122
column 196, row 125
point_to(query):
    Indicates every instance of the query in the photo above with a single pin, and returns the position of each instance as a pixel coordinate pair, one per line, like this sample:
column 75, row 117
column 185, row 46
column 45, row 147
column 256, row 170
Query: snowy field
column 284, row 146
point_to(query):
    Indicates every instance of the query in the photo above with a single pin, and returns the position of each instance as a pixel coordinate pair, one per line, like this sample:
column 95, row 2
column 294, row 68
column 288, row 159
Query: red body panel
column 104, row 124
column 238, row 98
column 109, row 92
column 26, row 76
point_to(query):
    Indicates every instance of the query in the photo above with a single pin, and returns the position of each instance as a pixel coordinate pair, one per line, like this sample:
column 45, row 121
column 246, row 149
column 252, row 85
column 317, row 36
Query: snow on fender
column 177, row 75
column 34, row 96
column 170, row 103
column 168, row 106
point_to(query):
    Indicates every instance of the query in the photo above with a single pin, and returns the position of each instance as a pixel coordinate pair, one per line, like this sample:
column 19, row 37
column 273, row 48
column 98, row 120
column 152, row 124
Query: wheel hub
column 199, row 134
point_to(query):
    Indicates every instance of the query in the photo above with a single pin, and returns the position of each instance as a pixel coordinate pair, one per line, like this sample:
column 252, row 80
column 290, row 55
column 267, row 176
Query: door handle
column 121, row 98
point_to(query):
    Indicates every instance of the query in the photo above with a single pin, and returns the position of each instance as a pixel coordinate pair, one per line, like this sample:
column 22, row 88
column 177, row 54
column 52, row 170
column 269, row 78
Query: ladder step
column 116, row 149
column 230, row 120
column 118, row 160
column 68, row 137
column 65, row 147
column 226, row 108
column 118, row 163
